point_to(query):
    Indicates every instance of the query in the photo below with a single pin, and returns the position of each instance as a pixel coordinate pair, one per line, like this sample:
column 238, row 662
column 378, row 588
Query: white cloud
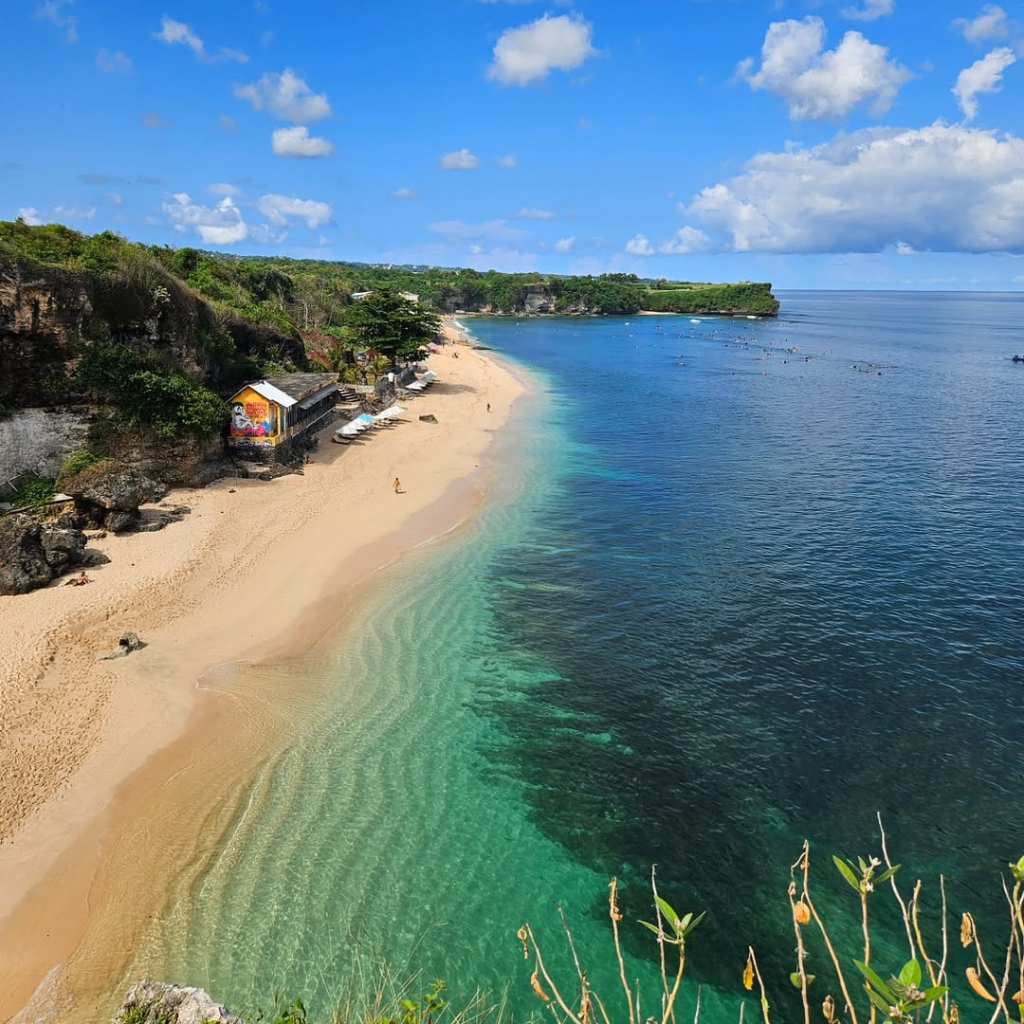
column 529, row 53
column 297, row 141
column 497, row 230
column 404, row 193
column 985, row 75
column 30, row 215
column 286, row 97
column 222, row 224
column 177, row 33
column 640, row 245
column 74, row 212
column 115, row 198
column 565, row 244
column 902, row 249
column 113, row 63
column 53, row 12
column 532, row 213
column 508, row 161
column 869, row 10
column 819, row 83
column 223, row 188
column 991, row 23
column 459, row 160
column 685, row 241
column 946, row 188
column 277, row 209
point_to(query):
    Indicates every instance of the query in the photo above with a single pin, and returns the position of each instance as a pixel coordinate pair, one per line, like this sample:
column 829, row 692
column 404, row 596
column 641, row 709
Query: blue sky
column 813, row 143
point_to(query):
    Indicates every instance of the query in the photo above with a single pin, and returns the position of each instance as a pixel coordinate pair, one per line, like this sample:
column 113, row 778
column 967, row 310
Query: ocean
column 742, row 583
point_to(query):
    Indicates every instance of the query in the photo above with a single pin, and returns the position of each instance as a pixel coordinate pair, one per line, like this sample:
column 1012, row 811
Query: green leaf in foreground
column 847, row 872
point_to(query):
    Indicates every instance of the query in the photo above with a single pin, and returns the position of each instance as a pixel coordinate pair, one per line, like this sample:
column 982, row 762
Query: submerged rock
column 154, row 1002
column 33, row 553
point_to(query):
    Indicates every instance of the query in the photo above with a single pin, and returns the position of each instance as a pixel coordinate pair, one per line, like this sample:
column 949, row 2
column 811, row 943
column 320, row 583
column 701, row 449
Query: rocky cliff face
column 49, row 317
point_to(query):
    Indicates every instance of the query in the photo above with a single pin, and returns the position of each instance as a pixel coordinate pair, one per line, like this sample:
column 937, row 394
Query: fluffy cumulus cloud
column 404, row 193
column 459, row 160
column 296, row 141
column 947, row 188
column 113, row 62
column 985, row 75
column 178, row 33
column 869, row 10
column 30, row 215
column 685, row 241
column 508, row 161
column 532, row 213
column 280, row 209
column 818, row 83
column 225, row 224
column 640, row 245
column 565, row 244
column 222, row 224
column 991, row 23
column 285, row 96
column 529, row 53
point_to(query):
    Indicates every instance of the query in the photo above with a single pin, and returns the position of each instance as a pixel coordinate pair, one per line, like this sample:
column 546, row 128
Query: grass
column 32, row 491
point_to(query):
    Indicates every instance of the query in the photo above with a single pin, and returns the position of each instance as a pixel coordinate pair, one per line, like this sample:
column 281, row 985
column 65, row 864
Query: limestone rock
column 33, row 553
column 112, row 486
column 154, row 1002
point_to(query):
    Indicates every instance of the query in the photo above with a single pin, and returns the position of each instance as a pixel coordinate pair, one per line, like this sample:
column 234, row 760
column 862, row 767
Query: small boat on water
column 1018, row 359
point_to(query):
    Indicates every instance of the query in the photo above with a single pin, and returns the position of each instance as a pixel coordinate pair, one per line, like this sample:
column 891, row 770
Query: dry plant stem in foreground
column 918, row 991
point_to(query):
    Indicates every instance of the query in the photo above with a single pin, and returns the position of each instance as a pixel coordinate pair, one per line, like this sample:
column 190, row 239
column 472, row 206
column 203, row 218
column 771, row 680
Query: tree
column 391, row 324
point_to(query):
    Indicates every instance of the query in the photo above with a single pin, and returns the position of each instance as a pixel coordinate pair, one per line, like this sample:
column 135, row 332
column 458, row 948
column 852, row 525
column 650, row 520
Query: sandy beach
column 100, row 759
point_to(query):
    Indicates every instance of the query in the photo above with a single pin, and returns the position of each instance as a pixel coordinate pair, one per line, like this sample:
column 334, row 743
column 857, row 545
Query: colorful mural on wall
column 252, row 418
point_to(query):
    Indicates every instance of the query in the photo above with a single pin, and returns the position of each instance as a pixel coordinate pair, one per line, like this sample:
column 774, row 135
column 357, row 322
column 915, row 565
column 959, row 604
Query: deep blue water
column 749, row 582
column 786, row 582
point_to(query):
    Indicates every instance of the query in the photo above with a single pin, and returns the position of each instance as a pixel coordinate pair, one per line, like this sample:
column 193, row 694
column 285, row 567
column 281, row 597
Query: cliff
column 50, row 318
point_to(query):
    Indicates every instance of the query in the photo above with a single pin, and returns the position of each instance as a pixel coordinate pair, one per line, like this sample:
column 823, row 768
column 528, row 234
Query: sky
column 811, row 143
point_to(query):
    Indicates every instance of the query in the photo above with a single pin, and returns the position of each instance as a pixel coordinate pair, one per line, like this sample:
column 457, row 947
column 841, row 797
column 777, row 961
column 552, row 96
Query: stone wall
column 39, row 440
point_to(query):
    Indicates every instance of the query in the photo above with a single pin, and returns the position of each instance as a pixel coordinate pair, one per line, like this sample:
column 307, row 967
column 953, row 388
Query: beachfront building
column 271, row 417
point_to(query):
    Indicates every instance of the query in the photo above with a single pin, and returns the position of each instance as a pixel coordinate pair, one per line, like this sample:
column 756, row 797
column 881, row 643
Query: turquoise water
column 747, row 582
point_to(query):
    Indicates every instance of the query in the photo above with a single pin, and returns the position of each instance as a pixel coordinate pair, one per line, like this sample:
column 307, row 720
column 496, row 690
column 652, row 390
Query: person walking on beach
column 488, row 406
column 398, row 486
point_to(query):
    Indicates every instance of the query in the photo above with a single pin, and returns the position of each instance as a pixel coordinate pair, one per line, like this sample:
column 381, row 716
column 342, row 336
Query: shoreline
column 183, row 723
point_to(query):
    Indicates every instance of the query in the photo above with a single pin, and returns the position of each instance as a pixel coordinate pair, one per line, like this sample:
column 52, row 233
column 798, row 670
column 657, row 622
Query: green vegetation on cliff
column 306, row 298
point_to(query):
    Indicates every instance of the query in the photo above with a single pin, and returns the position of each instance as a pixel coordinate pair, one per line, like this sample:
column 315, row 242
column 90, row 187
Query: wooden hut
column 271, row 415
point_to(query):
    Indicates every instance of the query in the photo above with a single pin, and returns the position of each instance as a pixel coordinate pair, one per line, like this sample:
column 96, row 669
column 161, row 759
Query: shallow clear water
column 733, row 596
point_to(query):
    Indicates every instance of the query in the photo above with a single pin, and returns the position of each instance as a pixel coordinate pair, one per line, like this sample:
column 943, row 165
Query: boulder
column 33, row 553
column 121, row 522
column 154, row 1002
column 114, row 487
column 428, row 418
column 62, row 547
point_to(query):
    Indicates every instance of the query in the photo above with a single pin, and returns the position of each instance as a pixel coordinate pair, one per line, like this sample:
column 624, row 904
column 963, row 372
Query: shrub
column 165, row 401
column 74, row 464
